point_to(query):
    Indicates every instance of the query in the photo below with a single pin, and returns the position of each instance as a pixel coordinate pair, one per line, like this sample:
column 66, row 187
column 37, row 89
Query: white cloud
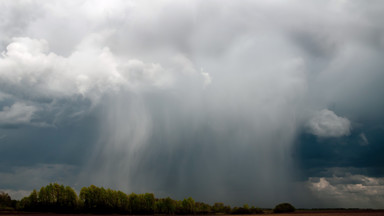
column 29, row 72
column 323, row 184
column 207, row 77
column 357, row 191
column 18, row 113
column 326, row 123
column 28, row 66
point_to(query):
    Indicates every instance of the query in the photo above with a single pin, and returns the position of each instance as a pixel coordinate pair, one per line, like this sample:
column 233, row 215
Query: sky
column 256, row 102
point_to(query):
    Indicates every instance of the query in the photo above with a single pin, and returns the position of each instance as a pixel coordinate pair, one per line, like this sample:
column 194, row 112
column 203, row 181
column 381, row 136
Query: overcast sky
column 257, row 102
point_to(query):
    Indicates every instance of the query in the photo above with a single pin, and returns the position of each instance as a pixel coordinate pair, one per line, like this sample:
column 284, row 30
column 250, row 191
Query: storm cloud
column 240, row 102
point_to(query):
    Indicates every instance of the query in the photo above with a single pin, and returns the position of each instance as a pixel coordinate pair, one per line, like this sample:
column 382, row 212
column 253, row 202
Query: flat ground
column 299, row 213
column 335, row 213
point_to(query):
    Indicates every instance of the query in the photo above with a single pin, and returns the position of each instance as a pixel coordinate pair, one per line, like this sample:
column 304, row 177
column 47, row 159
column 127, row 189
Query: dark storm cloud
column 317, row 155
column 210, row 99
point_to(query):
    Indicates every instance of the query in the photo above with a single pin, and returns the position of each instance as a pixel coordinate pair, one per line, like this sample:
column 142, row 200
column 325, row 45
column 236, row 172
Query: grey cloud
column 326, row 123
column 364, row 141
column 3, row 96
column 349, row 191
column 29, row 177
column 18, row 113
column 16, row 17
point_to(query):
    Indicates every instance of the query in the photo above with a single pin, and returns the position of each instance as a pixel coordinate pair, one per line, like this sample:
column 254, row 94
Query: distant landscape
column 56, row 199
column 63, row 199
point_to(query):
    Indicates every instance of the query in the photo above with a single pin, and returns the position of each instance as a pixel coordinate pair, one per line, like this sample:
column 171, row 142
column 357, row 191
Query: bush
column 284, row 207
column 240, row 210
column 256, row 210
column 246, row 210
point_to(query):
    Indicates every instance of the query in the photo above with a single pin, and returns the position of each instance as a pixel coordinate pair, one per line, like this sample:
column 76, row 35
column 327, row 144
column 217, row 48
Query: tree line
column 63, row 199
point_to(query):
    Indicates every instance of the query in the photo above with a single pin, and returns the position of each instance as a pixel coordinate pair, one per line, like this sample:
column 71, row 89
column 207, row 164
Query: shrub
column 240, row 210
column 284, row 207
column 256, row 210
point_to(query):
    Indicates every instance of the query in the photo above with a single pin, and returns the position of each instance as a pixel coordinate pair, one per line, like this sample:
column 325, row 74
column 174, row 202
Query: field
column 336, row 213
column 299, row 213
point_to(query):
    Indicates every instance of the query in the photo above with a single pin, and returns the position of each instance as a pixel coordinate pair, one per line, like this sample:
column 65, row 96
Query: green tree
column 57, row 198
column 255, row 210
column 96, row 199
column 148, row 203
column 202, row 208
column 170, row 206
column 70, row 198
column 134, row 203
column 242, row 210
column 188, row 206
column 122, row 202
column 33, row 199
column 283, row 208
column 221, row 208
column 85, row 198
column 5, row 200
column 165, row 206
column 30, row 202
